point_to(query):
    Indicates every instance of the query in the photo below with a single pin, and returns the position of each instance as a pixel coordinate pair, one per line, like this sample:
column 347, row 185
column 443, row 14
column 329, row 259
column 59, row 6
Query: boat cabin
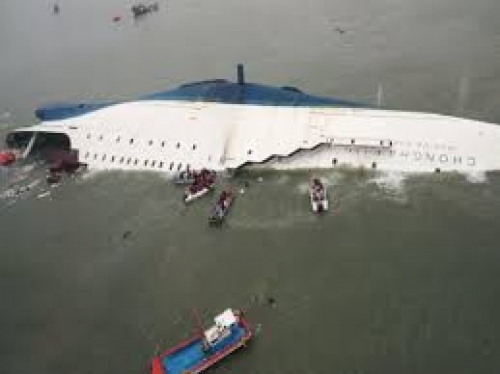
column 222, row 327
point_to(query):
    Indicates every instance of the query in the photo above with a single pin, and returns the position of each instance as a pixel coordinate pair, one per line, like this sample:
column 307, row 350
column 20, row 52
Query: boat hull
column 190, row 357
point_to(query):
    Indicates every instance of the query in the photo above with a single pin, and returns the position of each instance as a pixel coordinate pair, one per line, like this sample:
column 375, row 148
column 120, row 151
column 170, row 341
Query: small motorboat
column 318, row 196
column 222, row 207
column 63, row 161
column 139, row 10
column 230, row 332
column 204, row 182
column 185, row 177
column 7, row 158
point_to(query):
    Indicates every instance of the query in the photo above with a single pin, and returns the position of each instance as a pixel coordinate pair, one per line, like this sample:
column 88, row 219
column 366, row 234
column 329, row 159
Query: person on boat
column 222, row 199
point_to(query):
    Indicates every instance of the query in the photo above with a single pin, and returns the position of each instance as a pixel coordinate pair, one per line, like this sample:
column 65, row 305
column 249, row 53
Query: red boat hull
column 157, row 366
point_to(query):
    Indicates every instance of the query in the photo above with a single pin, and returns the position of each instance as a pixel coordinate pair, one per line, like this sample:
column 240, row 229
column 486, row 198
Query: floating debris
column 43, row 194
column 271, row 301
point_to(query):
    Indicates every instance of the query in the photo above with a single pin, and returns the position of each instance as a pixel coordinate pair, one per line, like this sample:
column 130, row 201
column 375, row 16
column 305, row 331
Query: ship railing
column 382, row 144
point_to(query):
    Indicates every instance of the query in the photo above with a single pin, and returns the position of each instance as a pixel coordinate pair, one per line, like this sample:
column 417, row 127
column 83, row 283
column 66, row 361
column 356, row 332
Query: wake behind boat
column 230, row 332
column 318, row 196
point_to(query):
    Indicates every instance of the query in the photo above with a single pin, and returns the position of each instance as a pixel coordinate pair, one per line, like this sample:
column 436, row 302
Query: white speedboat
column 318, row 195
column 224, row 125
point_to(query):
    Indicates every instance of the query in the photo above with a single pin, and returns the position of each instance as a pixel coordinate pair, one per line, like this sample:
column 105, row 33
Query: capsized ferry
column 222, row 125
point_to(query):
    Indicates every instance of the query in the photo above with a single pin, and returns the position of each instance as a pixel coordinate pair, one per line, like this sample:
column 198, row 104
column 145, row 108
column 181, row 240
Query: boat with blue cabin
column 230, row 332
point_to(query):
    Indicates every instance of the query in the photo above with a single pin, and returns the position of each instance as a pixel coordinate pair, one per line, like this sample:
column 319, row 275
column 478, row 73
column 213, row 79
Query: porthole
column 374, row 165
column 150, row 142
column 334, row 161
column 249, row 152
column 95, row 156
column 87, row 155
column 112, row 158
column 179, row 167
column 103, row 157
column 118, row 139
column 88, row 136
column 129, row 160
column 145, row 162
column 122, row 159
column 136, row 161
column 131, row 141
column 163, row 143
column 194, row 147
column 352, row 141
column 160, row 165
column 178, row 145
column 153, row 163
column 437, row 170
column 100, row 137
column 171, row 166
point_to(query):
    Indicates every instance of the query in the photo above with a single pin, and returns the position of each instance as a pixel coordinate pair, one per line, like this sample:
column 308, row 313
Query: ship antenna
column 380, row 95
column 241, row 74
column 197, row 322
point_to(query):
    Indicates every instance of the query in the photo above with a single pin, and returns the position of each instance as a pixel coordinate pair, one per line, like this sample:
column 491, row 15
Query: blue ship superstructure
column 214, row 91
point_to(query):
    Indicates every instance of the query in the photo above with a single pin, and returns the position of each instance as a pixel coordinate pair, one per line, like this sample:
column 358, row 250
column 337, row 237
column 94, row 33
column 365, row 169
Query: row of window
column 131, row 141
column 137, row 162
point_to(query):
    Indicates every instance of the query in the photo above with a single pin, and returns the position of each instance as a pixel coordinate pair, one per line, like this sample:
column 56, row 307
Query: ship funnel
column 241, row 74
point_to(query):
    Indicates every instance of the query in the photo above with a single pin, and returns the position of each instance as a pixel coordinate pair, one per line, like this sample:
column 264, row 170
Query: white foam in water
column 477, row 177
column 390, row 180
column 392, row 184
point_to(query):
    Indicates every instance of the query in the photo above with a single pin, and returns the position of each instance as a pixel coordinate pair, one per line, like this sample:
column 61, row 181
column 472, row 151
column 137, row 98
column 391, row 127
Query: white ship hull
column 168, row 135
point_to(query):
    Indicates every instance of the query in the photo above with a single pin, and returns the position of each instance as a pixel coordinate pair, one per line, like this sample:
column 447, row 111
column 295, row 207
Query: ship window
column 163, row 143
column 129, row 161
column 145, row 162
column 334, row 161
column 136, row 161
column 103, row 157
column 171, row 166
column 150, row 142
column 179, row 167
column 95, row 156
column 374, row 165
column 178, row 145
column 249, row 152
column 100, row 137
column 160, row 165
column 153, row 163
column 437, row 170
column 131, row 141
column 118, row 139
column 88, row 136
column 112, row 158
column 87, row 155
column 194, row 147
column 122, row 159
column 352, row 141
